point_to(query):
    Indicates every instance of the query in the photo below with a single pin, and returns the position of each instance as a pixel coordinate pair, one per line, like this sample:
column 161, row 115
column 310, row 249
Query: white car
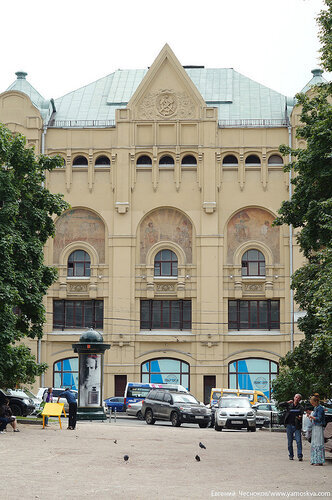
column 235, row 413
column 55, row 393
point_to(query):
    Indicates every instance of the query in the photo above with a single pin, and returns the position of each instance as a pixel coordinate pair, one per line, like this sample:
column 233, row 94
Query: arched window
column 253, row 374
column 166, row 161
column 165, row 371
column 253, row 263
column 144, row 161
column 79, row 264
column 65, row 373
column 80, row 161
column 189, row 161
column 230, row 160
column 275, row 160
column 253, row 160
column 166, row 263
column 102, row 161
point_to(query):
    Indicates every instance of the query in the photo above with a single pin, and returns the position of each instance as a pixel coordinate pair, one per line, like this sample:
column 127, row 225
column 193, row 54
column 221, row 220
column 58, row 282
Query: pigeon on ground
column 115, row 441
column 198, row 458
column 201, row 445
column 126, row 458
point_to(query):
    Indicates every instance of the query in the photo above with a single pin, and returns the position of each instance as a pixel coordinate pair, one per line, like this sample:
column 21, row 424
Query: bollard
column 115, row 415
column 110, row 414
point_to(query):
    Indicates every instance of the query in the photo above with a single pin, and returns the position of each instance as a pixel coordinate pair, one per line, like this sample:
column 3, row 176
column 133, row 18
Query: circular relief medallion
column 166, row 103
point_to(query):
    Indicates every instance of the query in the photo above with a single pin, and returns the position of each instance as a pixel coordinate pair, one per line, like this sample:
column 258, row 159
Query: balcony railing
column 252, row 123
column 82, row 124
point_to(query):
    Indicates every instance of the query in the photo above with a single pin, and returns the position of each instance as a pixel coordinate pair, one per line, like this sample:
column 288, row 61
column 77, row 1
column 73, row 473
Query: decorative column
column 90, row 349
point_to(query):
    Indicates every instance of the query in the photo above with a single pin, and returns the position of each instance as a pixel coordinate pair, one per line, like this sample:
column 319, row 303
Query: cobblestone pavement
column 86, row 463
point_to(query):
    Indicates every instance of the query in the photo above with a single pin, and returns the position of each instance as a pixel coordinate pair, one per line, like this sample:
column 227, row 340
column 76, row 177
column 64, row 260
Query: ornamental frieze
column 166, row 104
column 78, row 288
column 165, row 287
column 253, row 287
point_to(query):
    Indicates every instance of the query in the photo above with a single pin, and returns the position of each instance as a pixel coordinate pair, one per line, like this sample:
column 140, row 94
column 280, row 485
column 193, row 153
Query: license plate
column 236, row 421
column 199, row 417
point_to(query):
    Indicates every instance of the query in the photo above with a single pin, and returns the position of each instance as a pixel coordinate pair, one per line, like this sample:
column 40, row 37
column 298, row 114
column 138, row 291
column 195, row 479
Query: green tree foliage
column 309, row 368
column 26, row 209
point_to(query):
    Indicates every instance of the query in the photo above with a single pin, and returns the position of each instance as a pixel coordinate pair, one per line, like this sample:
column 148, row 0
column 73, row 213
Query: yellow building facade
column 174, row 179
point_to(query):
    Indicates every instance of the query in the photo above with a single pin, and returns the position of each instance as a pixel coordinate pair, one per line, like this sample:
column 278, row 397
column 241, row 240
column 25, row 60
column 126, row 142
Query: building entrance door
column 120, row 382
column 209, row 383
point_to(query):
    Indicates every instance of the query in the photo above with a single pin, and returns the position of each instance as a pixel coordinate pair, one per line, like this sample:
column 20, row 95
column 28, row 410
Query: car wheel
column 217, row 427
column 16, row 410
column 203, row 425
column 139, row 415
column 175, row 419
column 149, row 417
column 253, row 429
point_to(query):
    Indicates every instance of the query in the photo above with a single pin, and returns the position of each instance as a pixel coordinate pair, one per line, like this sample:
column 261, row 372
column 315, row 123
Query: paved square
column 86, row 463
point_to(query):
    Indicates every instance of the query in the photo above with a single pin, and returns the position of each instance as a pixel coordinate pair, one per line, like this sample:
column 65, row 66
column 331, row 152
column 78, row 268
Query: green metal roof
column 317, row 79
column 45, row 106
column 236, row 96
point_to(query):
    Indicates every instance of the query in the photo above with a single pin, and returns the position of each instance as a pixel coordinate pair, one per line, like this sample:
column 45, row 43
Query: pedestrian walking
column 293, row 423
column 70, row 397
column 317, row 455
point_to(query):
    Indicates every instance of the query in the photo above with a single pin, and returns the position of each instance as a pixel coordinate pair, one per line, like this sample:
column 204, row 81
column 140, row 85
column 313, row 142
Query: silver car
column 235, row 413
column 135, row 410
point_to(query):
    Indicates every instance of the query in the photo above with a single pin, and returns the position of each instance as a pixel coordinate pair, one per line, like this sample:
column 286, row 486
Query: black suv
column 177, row 407
column 20, row 406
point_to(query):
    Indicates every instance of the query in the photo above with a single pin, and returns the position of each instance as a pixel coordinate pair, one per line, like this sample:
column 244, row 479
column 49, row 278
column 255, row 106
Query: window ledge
column 254, row 332
column 169, row 333
column 80, row 278
column 79, row 331
column 261, row 278
column 171, row 278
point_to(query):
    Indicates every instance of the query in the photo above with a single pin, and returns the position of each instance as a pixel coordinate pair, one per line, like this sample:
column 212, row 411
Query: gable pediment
column 166, row 92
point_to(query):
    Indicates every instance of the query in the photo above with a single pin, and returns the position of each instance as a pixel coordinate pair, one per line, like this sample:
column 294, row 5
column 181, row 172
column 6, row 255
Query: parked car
column 115, row 403
column 21, row 406
column 25, row 393
column 235, row 413
column 328, row 411
column 135, row 410
column 56, row 392
column 268, row 411
column 177, row 407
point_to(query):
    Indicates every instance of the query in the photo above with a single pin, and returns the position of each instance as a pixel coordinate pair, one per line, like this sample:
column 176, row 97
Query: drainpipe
column 291, row 248
column 39, row 344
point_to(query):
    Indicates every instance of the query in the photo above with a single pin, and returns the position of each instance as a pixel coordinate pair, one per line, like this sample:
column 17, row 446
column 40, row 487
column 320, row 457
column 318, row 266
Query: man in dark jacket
column 70, row 397
column 293, row 423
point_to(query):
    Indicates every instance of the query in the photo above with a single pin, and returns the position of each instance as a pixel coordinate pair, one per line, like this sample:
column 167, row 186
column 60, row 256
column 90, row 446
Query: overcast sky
column 66, row 44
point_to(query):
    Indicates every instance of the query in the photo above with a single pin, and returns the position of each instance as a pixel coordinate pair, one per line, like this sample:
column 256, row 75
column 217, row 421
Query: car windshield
column 234, row 403
column 184, row 398
column 29, row 393
column 246, row 395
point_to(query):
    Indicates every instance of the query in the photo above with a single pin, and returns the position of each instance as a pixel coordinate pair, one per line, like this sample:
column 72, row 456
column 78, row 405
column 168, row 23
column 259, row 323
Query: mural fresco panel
column 79, row 225
column 166, row 224
column 252, row 224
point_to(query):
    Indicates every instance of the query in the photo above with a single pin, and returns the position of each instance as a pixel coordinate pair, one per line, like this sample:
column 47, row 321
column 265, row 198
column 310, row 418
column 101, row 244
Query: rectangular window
column 78, row 314
column 253, row 314
column 166, row 314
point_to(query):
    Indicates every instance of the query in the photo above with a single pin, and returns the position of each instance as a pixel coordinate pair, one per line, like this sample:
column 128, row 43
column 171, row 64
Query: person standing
column 293, row 423
column 317, row 455
column 48, row 398
column 70, row 397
